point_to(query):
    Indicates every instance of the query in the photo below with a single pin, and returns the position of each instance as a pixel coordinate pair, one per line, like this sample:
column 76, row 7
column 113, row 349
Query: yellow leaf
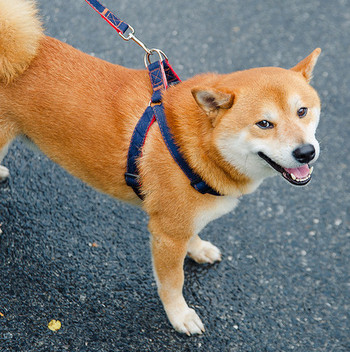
column 1, row 315
column 54, row 325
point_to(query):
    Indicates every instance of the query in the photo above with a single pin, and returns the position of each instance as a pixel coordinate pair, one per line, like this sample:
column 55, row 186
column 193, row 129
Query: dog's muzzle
column 298, row 176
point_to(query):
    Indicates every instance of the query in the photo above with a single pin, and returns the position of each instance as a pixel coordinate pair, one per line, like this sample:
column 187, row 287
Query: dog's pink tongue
column 299, row 172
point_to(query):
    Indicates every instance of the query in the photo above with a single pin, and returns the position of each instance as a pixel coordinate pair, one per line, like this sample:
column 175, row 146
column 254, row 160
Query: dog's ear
column 306, row 66
column 212, row 100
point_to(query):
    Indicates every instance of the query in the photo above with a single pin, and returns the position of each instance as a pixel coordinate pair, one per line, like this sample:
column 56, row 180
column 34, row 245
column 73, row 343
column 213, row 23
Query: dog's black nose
column 305, row 153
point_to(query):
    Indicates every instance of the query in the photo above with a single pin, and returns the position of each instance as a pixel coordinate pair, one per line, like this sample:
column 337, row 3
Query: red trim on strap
column 172, row 70
column 104, row 17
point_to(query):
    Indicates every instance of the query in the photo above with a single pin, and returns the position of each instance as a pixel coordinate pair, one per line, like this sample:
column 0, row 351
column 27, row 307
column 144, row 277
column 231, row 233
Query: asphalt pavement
column 71, row 254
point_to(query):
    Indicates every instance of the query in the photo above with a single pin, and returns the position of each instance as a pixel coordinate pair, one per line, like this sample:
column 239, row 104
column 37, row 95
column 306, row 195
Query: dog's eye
column 302, row 112
column 264, row 124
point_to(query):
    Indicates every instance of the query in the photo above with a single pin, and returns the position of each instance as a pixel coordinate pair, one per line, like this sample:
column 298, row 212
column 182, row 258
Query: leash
column 161, row 76
column 120, row 26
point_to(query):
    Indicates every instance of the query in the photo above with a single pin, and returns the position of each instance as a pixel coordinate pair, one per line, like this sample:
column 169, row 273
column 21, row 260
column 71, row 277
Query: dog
column 234, row 130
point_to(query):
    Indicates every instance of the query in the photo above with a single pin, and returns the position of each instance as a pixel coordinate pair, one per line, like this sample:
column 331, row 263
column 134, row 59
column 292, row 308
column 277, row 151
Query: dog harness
column 162, row 76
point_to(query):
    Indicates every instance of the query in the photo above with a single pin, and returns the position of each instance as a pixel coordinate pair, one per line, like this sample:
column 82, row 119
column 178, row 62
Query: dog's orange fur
column 69, row 108
column 81, row 112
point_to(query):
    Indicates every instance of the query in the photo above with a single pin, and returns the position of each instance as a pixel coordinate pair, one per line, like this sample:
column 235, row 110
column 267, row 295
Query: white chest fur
column 216, row 209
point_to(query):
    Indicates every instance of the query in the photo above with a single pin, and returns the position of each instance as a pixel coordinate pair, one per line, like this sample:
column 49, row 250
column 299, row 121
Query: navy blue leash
column 162, row 76
column 120, row 26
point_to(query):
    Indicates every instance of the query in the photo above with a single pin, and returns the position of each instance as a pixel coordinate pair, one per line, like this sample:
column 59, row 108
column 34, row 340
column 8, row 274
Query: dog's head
column 265, row 120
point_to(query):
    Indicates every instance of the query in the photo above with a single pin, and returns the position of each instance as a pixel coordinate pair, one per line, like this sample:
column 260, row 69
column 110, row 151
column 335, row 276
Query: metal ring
column 148, row 55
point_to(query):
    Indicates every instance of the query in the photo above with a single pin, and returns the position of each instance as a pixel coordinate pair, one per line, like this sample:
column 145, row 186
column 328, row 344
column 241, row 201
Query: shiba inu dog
column 234, row 130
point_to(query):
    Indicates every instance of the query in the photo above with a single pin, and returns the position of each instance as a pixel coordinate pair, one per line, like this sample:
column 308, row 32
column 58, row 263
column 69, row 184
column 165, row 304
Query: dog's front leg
column 169, row 251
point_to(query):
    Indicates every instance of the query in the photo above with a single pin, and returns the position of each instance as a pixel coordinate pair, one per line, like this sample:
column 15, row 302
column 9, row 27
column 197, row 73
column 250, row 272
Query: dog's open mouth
column 299, row 176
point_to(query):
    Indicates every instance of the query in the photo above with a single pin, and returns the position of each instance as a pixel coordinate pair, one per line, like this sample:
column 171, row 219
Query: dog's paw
column 205, row 252
column 4, row 173
column 186, row 321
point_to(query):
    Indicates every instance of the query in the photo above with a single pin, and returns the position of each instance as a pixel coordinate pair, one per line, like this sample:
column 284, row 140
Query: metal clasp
column 131, row 36
column 149, row 52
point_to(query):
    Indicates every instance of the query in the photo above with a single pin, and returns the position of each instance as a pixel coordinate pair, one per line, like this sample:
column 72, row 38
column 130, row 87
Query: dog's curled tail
column 20, row 34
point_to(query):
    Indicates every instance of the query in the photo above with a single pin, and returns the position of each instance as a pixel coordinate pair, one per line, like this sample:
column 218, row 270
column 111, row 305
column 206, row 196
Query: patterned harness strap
column 161, row 75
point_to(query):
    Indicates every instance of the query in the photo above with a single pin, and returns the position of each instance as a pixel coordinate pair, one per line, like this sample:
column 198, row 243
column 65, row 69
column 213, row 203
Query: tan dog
column 234, row 130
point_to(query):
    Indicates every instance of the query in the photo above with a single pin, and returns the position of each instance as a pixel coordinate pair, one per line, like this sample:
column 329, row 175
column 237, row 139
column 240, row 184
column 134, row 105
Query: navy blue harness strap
column 161, row 73
column 157, row 76
column 158, row 79
column 196, row 181
column 159, row 83
column 119, row 25
column 138, row 138
column 170, row 74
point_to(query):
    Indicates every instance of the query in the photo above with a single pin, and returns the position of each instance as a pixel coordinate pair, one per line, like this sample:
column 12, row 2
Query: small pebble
column 8, row 336
column 337, row 222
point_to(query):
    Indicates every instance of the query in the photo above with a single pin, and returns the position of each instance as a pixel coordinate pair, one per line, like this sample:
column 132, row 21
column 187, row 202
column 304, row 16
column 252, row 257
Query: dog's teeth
column 311, row 170
column 293, row 177
column 303, row 179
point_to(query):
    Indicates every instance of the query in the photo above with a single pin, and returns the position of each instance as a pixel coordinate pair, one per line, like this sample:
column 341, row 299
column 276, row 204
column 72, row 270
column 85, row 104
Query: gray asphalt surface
column 283, row 284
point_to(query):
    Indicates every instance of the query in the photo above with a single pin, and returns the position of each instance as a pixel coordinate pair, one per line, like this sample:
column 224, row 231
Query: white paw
column 205, row 252
column 186, row 321
column 4, row 173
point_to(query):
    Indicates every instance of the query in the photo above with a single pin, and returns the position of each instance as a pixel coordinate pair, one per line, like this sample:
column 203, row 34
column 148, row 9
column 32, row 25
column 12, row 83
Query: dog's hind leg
column 4, row 172
column 7, row 134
